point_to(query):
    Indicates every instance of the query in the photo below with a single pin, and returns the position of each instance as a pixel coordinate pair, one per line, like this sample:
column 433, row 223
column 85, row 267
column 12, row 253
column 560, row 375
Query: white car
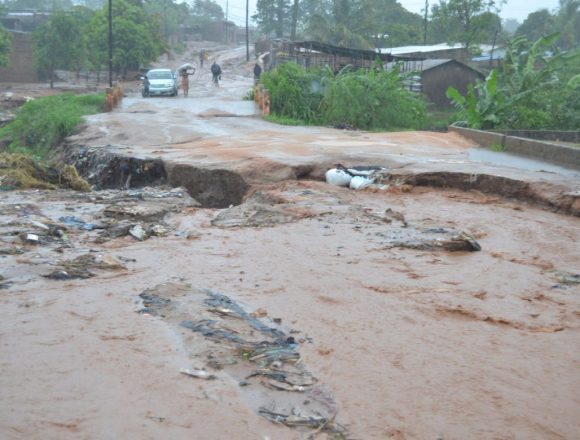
column 159, row 82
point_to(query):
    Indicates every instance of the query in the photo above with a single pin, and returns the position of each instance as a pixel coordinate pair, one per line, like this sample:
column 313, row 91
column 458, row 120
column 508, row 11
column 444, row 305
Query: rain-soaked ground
column 307, row 311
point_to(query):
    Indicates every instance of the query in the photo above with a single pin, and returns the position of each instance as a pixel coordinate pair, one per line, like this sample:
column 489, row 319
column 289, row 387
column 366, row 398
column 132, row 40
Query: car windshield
column 160, row 74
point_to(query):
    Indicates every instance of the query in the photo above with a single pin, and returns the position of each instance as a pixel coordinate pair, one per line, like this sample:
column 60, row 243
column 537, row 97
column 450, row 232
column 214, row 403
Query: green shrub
column 371, row 100
column 294, row 92
column 43, row 124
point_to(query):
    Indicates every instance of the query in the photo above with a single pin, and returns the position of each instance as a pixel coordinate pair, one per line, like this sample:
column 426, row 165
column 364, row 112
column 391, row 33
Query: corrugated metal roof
column 420, row 49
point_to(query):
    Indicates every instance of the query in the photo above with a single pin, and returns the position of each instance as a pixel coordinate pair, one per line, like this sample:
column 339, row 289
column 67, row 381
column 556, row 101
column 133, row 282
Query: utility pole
column 110, row 43
column 247, row 31
column 226, row 23
column 425, row 22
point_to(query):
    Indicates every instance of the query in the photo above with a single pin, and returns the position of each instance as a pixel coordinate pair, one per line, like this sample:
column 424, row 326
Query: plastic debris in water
column 137, row 232
column 338, row 177
column 360, row 182
column 198, row 373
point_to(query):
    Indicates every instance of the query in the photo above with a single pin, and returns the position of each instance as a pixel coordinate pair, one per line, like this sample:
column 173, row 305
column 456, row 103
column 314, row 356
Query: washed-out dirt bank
column 219, row 187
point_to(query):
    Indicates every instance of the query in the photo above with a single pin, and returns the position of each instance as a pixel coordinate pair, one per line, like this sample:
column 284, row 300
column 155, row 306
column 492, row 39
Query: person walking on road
column 201, row 57
column 185, row 81
column 216, row 73
column 257, row 72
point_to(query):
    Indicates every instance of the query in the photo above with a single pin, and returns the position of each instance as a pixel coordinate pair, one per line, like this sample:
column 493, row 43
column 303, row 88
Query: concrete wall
column 21, row 67
column 569, row 156
column 545, row 135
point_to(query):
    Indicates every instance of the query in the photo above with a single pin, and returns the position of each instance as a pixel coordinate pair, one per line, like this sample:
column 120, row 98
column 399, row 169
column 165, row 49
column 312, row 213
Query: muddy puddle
column 307, row 311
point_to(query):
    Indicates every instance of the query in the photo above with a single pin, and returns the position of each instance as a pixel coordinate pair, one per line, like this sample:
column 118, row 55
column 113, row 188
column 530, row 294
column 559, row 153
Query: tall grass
column 42, row 124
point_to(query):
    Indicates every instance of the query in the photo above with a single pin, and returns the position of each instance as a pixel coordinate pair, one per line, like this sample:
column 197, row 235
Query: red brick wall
column 21, row 67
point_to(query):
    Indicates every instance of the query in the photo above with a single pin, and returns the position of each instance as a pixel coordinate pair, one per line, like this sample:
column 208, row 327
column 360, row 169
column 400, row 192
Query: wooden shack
column 314, row 54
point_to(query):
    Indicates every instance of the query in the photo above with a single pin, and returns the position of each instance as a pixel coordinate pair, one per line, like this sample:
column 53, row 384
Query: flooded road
column 401, row 337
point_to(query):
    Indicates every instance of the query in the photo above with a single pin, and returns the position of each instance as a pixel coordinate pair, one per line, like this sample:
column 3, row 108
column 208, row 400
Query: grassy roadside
column 32, row 139
column 42, row 124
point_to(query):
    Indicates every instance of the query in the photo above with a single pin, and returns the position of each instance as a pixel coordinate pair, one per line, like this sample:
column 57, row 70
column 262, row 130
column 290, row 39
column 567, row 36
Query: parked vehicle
column 159, row 82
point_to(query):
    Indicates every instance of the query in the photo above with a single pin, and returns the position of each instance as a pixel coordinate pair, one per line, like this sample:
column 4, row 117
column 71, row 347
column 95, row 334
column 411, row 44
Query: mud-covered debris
column 4, row 284
column 566, row 279
column 153, row 303
column 146, row 212
column 197, row 373
column 95, row 261
column 393, row 215
column 138, row 232
column 80, row 267
column 431, row 239
column 73, row 222
column 251, row 214
column 157, row 231
column 70, row 274
column 11, row 251
column 314, row 421
column 251, row 349
column 116, row 229
column 21, row 171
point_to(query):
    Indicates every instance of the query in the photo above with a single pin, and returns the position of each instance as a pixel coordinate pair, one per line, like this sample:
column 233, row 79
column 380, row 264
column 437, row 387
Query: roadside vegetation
column 42, row 124
column 373, row 100
column 535, row 88
column 30, row 142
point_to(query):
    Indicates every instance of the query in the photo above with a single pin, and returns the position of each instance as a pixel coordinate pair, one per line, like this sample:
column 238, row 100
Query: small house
column 433, row 78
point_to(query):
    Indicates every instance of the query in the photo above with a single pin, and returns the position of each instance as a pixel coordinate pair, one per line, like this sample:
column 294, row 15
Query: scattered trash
column 30, row 238
column 138, row 232
column 198, row 373
column 74, row 222
column 39, row 225
column 358, row 177
column 360, row 182
column 296, row 419
column 263, row 354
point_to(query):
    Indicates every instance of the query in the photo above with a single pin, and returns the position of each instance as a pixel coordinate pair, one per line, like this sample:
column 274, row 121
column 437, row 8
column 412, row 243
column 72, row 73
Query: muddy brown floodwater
column 307, row 311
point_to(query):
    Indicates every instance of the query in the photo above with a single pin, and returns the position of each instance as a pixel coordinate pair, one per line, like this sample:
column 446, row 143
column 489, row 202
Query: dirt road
column 397, row 336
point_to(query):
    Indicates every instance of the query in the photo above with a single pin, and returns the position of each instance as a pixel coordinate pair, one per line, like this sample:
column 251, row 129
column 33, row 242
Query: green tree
column 5, row 46
column 208, row 10
column 136, row 38
column 59, row 44
column 536, row 25
column 171, row 16
column 464, row 21
column 568, row 24
column 274, row 17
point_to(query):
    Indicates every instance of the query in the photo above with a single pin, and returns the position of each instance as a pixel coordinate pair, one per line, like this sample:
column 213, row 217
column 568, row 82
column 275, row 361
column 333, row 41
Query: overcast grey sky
column 518, row 9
